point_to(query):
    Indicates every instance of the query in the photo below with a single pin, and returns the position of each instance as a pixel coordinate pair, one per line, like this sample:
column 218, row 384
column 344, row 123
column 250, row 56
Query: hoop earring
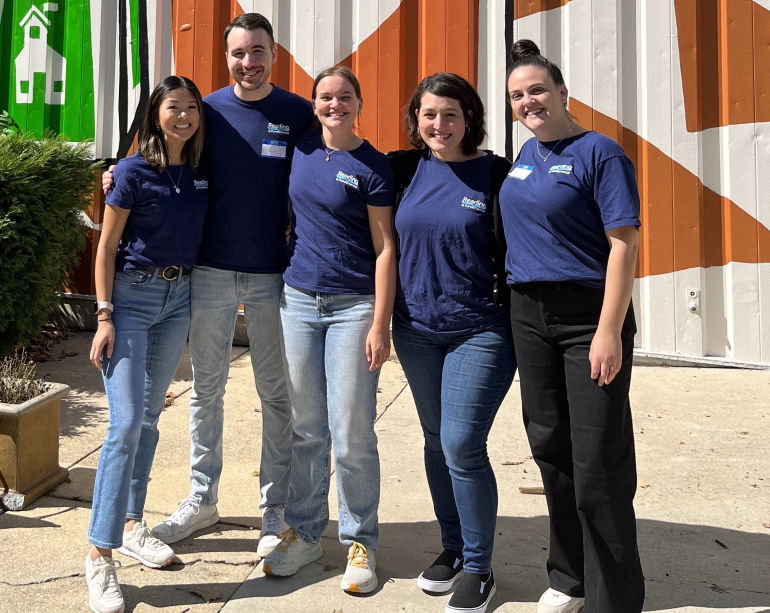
column 467, row 129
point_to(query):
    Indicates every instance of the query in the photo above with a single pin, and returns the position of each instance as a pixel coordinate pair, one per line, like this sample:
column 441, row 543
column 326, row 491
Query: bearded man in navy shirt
column 251, row 130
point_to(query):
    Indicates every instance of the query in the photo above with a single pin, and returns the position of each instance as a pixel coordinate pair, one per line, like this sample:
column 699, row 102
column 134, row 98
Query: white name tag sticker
column 274, row 149
column 521, row 172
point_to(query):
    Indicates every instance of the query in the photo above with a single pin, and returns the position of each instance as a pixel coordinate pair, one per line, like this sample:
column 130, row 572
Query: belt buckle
column 170, row 270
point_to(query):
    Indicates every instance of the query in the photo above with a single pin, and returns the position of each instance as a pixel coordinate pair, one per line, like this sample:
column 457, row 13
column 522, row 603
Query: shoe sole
column 438, row 587
column 311, row 555
column 175, row 538
column 144, row 561
column 96, row 609
column 479, row 609
column 364, row 588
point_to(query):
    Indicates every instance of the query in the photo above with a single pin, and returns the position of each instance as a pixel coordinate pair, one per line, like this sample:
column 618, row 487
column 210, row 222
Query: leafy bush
column 43, row 189
column 18, row 380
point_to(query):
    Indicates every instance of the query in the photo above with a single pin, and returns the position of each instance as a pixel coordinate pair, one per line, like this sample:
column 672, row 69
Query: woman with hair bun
column 571, row 217
column 153, row 224
column 450, row 326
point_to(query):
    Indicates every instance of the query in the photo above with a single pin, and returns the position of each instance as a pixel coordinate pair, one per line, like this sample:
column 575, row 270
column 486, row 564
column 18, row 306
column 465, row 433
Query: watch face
column 96, row 308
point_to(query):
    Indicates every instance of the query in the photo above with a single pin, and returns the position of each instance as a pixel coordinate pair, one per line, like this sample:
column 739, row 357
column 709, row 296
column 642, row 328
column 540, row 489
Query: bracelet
column 107, row 319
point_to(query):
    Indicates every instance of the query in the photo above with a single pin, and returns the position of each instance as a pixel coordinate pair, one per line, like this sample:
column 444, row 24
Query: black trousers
column 582, row 439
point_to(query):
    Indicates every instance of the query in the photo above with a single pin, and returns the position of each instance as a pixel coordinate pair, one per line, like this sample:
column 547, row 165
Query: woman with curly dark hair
column 450, row 326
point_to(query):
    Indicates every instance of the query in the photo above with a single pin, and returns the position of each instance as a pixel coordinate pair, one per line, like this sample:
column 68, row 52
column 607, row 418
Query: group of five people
column 467, row 255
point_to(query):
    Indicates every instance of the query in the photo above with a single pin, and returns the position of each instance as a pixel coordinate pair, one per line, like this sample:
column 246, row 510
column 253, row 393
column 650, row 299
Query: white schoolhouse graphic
column 37, row 57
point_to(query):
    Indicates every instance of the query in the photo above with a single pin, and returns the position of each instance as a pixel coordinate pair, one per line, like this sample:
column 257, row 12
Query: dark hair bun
column 522, row 49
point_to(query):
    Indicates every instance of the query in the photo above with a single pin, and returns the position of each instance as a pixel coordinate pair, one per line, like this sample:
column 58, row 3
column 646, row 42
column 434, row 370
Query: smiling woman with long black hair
column 153, row 224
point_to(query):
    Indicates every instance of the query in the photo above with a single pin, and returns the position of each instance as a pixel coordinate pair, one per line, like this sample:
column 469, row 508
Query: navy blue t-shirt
column 445, row 273
column 247, row 152
column 556, row 214
column 331, row 247
column 164, row 228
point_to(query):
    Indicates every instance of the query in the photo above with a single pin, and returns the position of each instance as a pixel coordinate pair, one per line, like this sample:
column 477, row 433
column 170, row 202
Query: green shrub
column 44, row 185
column 18, row 380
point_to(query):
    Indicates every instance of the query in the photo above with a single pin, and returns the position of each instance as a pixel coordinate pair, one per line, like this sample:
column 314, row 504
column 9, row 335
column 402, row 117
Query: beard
column 250, row 85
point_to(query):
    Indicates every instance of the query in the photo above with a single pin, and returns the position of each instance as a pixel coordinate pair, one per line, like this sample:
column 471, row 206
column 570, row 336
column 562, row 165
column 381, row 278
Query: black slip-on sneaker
column 473, row 594
column 443, row 574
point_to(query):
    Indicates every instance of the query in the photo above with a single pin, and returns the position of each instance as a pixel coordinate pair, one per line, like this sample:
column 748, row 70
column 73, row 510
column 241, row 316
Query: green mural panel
column 135, row 68
column 46, row 66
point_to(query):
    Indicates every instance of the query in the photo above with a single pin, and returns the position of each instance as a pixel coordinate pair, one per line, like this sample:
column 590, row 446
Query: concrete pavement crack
column 223, row 562
column 251, row 563
column 390, row 404
column 41, row 582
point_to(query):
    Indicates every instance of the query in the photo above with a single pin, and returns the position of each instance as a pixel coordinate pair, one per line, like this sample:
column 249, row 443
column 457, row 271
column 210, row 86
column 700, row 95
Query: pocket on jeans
column 132, row 278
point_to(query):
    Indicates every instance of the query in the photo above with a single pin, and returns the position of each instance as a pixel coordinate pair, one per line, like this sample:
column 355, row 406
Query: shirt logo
column 203, row 184
column 476, row 205
column 562, row 169
column 346, row 179
column 277, row 128
column 521, row 172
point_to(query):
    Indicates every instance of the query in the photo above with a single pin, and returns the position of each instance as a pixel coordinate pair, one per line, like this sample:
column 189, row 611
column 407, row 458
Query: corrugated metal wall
column 679, row 83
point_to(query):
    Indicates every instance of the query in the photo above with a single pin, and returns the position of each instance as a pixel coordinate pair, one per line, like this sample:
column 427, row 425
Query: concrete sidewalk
column 704, row 495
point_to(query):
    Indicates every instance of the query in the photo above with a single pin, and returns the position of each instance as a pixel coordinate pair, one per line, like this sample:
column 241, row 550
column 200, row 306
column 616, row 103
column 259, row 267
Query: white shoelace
column 271, row 520
column 184, row 508
column 146, row 539
column 107, row 577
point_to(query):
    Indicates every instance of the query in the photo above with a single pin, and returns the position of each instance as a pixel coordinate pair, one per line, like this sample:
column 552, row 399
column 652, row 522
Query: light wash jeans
column 334, row 400
column 216, row 295
column 458, row 381
column 151, row 320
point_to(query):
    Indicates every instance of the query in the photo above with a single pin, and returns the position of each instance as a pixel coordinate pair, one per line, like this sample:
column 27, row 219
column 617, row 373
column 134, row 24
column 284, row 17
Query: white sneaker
column 272, row 528
column 291, row 554
column 360, row 576
column 553, row 601
column 186, row 520
column 142, row 546
column 104, row 595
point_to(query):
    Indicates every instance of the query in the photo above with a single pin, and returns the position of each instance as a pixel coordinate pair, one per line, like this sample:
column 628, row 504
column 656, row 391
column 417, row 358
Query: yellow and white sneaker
column 291, row 554
column 360, row 576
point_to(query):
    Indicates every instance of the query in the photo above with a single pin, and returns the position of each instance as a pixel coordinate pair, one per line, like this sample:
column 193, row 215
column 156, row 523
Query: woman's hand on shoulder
column 104, row 337
column 377, row 347
column 107, row 179
column 605, row 356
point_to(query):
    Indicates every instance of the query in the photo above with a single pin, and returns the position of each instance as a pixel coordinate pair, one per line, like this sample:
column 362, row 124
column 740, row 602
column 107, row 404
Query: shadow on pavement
column 684, row 564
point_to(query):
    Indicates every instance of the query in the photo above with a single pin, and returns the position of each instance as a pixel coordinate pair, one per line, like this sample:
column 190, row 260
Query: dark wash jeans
column 582, row 439
column 458, row 381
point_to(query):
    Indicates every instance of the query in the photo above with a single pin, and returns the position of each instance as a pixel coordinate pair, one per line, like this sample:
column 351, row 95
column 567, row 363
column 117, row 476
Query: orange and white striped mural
column 679, row 83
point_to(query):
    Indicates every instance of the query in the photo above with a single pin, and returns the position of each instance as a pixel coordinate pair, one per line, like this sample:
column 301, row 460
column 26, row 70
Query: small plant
column 19, row 381
column 8, row 125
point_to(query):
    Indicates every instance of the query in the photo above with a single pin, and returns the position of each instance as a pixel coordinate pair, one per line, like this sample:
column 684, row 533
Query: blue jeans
column 216, row 295
column 458, row 381
column 151, row 319
column 334, row 400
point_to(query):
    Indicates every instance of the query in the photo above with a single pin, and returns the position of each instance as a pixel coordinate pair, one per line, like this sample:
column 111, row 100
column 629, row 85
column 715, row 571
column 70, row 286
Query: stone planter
column 29, row 449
